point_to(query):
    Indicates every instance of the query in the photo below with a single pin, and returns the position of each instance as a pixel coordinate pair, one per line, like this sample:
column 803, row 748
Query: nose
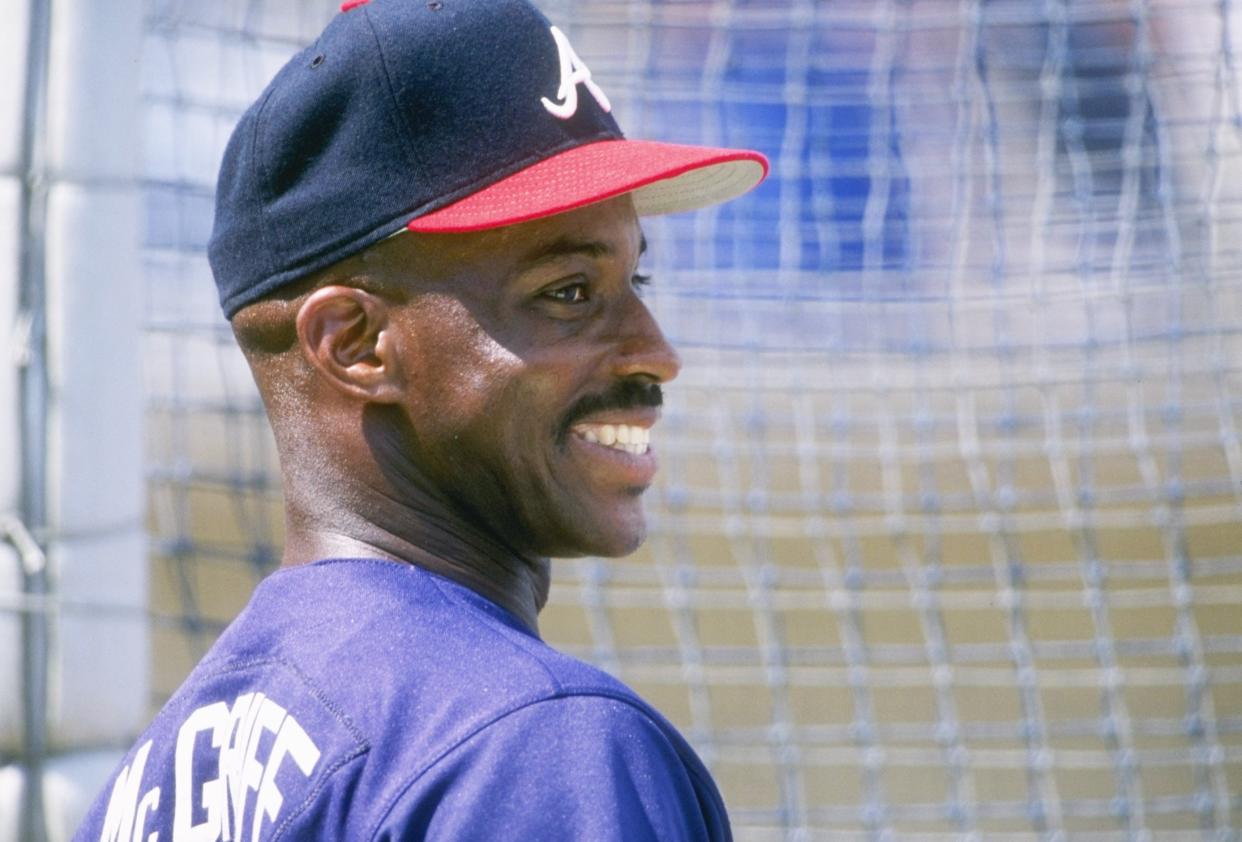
column 643, row 351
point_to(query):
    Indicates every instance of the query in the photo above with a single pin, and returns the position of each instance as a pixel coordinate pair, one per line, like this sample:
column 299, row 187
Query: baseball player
column 427, row 242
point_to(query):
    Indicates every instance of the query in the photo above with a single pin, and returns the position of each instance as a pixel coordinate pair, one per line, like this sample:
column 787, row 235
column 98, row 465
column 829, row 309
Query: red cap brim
column 662, row 177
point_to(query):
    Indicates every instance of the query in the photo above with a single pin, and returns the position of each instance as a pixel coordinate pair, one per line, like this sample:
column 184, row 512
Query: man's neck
column 366, row 522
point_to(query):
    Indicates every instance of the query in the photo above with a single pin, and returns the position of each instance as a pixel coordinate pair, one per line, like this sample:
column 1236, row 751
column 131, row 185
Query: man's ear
column 345, row 333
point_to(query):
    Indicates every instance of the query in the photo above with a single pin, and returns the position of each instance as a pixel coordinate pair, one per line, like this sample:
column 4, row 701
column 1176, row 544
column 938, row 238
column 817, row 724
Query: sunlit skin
column 430, row 396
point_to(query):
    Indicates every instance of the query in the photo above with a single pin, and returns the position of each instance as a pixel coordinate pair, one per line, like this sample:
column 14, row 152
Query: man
column 427, row 242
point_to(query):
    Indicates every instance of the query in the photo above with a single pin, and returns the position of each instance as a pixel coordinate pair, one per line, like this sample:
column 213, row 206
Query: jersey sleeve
column 570, row 768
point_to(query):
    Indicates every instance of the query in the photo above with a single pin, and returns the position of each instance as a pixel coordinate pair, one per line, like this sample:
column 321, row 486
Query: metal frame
column 29, row 534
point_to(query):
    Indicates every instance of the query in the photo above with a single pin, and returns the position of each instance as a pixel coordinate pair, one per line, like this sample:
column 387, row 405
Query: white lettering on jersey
column 235, row 737
column 573, row 73
column 213, row 718
column 127, row 816
column 291, row 741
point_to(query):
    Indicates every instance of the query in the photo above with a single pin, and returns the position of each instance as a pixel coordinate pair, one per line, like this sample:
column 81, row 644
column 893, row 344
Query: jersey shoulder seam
column 313, row 795
column 227, row 664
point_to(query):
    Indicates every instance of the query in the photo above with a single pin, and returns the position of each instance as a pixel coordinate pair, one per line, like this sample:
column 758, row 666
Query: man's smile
column 628, row 438
column 631, row 465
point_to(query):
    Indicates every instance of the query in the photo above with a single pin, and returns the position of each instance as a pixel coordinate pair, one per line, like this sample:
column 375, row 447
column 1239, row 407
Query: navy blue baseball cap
column 441, row 116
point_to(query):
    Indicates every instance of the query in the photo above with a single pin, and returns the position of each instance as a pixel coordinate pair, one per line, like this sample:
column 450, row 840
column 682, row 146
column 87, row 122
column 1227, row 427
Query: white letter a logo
column 573, row 72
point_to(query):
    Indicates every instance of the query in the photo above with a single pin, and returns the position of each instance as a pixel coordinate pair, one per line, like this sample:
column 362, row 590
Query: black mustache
column 624, row 394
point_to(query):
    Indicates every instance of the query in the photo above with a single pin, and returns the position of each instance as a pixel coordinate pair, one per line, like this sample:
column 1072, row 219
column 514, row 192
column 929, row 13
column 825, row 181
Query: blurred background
column 947, row 542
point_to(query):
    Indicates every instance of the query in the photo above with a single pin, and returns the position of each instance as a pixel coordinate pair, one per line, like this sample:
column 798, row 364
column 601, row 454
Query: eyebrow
column 567, row 246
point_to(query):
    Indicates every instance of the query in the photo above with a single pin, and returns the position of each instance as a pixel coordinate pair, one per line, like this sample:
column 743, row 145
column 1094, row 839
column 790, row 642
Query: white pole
column 83, row 251
column 23, row 629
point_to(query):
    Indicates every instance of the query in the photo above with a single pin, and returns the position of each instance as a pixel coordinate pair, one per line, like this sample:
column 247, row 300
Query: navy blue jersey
column 372, row 700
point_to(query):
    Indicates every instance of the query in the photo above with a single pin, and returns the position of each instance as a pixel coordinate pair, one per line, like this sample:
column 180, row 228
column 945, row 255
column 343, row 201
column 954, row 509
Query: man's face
column 532, row 368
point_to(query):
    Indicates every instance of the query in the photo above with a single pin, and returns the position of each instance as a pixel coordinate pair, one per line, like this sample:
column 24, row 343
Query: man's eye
column 570, row 294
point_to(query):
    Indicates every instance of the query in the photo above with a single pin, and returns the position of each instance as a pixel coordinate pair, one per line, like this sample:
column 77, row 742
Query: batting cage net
column 948, row 533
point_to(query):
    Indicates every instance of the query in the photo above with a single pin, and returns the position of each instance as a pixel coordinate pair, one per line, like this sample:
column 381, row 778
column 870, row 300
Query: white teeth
column 624, row 437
